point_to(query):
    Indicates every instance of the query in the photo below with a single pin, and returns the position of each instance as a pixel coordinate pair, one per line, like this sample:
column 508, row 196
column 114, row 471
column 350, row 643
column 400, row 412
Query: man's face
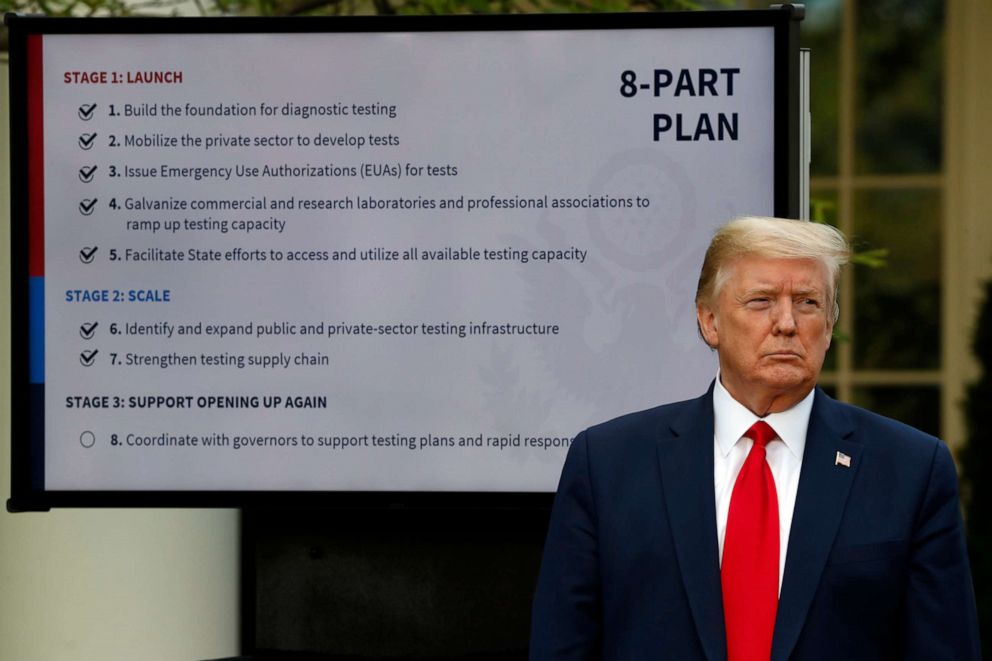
column 771, row 326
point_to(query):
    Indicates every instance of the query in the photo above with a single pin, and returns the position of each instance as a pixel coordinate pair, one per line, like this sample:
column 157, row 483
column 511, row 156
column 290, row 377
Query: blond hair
column 776, row 238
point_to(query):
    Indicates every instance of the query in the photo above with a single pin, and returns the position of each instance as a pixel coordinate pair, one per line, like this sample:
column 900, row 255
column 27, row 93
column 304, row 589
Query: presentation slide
column 376, row 261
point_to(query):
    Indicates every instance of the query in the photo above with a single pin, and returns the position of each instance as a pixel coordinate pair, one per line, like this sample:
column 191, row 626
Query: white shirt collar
column 731, row 419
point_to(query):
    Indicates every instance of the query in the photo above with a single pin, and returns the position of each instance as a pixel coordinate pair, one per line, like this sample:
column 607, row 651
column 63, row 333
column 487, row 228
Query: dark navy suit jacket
column 876, row 566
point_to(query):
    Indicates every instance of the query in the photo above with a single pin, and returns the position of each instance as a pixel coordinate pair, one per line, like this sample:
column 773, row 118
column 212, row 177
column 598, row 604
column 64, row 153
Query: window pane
column 897, row 306
column 823, row 206
column 820, row 32
column 918, row 406
column 899, row 71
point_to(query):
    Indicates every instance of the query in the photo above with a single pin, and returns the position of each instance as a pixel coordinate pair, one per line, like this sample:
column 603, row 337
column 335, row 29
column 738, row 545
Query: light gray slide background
column 519, row 114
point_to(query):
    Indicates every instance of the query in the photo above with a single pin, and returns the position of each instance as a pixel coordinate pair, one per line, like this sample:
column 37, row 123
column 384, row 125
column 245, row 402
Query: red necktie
column 749, row 572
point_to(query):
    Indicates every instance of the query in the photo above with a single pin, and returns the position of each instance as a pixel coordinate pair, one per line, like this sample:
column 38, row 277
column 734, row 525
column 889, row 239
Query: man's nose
column 784, row 322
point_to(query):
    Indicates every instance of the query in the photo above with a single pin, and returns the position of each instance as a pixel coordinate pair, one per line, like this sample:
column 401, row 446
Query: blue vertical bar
column 36, row 329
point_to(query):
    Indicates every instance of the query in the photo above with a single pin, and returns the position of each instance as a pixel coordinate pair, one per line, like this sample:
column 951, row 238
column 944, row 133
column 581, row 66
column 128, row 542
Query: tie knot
column 761, row 433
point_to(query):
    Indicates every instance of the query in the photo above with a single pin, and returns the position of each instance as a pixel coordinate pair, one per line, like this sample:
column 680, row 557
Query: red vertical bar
column 36, row 157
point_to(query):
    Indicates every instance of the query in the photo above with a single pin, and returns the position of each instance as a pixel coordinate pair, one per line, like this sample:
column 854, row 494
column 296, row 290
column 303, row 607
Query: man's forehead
column 757, row 271
column 800, row 283
column 794, row 286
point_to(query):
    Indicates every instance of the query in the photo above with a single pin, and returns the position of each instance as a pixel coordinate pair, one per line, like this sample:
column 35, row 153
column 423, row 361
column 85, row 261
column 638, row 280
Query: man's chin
column 783, row 378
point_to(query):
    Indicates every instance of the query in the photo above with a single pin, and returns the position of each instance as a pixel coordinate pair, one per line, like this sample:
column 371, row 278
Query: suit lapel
column 685, row 454
column 820, row 502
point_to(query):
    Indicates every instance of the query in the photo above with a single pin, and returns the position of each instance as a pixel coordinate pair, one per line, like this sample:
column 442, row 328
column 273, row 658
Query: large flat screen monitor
column 369, row 257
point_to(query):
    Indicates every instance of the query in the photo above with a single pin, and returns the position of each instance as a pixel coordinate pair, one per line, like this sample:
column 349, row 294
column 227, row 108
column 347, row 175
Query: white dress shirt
column 784, row 454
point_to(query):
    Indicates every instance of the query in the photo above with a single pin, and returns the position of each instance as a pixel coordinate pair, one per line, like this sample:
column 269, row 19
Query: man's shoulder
column 643, row 425
column 875, row 430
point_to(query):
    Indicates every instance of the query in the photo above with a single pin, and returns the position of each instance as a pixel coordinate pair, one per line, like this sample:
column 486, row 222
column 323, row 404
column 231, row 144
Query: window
column 877, row 69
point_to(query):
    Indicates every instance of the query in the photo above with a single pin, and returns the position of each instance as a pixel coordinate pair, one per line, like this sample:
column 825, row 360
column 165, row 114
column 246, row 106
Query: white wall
column 104, row 585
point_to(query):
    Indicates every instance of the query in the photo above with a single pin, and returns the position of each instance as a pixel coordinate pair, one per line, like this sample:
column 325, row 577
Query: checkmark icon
column 86, row 255
column 86, row 112
column 86, row 331
column 86, row 358
column 86, row 173
column 86, row 207
column 86, row 141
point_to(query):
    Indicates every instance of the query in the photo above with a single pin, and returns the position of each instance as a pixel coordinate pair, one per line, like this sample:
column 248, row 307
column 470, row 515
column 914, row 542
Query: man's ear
column 706, row 321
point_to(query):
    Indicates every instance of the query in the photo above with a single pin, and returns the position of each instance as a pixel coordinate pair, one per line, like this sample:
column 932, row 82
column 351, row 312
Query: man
column 763, row 519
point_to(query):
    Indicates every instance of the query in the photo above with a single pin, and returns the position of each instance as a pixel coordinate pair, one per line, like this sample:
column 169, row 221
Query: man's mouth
column 783, row 354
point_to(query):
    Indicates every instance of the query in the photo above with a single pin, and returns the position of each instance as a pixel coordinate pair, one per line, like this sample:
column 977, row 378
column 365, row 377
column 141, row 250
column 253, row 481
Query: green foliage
column 337, row 7
column 344, row 7
column 87, row 8
column 875, row 259
column 823, row 211
column 976, row 466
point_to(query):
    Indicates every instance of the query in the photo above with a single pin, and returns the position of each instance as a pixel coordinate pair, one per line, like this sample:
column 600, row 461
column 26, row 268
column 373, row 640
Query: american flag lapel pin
column 842, row 460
